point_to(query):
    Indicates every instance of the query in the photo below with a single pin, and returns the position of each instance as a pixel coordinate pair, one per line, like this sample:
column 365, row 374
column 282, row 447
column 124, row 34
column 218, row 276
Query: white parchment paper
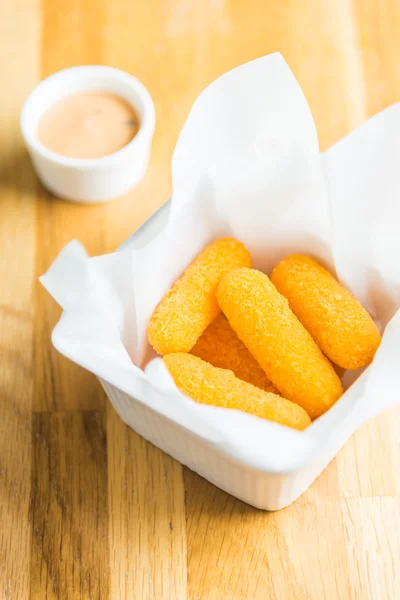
column 247, row 164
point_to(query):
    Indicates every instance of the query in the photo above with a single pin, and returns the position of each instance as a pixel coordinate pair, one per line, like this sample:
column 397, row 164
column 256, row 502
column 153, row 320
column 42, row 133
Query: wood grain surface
column 88, row 510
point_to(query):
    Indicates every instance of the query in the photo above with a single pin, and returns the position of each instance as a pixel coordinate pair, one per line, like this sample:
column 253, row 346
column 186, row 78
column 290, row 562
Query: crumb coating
column 220, row 346
column 219, row 387
column 190, row 305
column 339, row 324
column 263, row 321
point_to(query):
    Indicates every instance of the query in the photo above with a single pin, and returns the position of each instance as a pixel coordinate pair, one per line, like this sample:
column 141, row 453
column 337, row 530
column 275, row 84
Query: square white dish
column 248, row 482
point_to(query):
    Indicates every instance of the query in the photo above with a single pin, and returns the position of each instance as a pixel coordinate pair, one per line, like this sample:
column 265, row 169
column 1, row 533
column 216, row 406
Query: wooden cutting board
column 87, row 508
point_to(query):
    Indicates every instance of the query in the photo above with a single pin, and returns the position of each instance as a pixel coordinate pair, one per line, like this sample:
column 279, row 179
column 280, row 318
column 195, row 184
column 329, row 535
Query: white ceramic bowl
column 98, row 179
column 271, row 479
column 261, row 486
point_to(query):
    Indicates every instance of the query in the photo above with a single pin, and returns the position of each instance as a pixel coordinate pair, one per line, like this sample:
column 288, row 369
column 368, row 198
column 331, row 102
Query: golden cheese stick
column 190, row 305
column 278, row 341
column 220, row 346
column 341, row 327
column 219, row 387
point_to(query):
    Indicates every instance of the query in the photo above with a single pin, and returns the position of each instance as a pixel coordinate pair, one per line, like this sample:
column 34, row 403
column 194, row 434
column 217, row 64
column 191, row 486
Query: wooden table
column 87, row 508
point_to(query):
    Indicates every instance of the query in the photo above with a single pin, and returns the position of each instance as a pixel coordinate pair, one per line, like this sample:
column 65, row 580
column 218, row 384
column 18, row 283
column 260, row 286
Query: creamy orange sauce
column 88, row 125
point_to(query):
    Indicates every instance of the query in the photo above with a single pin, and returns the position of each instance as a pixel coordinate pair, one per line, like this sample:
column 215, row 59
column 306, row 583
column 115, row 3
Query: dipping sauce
column 88, row 125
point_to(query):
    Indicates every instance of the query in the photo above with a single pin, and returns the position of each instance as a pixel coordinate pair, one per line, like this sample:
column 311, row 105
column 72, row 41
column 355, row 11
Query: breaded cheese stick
column 220, row 346
column 219, row 387
column 278, row 341
column 338, row 323
column 190, row 305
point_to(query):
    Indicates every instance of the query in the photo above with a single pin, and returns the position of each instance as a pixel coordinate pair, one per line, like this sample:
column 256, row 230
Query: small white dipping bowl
column 95, row 179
